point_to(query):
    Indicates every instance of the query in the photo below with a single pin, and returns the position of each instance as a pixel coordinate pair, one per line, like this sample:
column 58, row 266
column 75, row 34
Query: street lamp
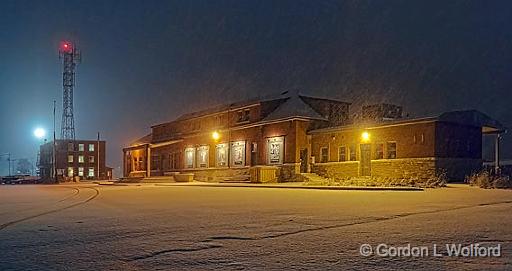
column 39, row 133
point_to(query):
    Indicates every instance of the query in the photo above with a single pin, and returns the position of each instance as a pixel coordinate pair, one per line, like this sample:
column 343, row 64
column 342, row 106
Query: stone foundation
column 336, row 170
column 415, row 168
column 289, row 173
column 217, row 174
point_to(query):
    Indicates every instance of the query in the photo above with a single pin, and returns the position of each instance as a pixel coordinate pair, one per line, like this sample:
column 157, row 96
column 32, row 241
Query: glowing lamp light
column 215, row 135
column 39, row 132
column 365, row 136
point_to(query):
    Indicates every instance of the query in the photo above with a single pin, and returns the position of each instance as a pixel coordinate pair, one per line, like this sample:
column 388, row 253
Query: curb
column 343, row 188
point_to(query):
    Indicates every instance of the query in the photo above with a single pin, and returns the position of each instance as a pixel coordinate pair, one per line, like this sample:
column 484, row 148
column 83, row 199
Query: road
column 74, row 227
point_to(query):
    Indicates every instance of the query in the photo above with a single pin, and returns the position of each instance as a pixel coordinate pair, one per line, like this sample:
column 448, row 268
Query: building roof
column 294, row 106
column 473, row 118
column 143, row 140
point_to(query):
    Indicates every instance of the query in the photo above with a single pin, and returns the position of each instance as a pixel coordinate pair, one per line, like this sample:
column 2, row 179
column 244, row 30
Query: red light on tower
column 66, row 46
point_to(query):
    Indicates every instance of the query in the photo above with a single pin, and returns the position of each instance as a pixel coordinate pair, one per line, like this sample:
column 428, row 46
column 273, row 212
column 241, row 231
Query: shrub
column 487, row 180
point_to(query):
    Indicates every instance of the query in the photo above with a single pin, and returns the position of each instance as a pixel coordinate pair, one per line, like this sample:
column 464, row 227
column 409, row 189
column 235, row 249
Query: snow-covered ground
column 185, row 228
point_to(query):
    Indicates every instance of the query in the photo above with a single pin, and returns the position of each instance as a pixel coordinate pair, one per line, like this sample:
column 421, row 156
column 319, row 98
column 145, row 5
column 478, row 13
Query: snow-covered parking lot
column 75, row 227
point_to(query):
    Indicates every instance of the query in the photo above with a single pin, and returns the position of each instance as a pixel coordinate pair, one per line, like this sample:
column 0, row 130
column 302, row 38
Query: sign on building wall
column 202, row 156
column 221, row 155
column 238, row 153
column 189, row 157
column 275, row 151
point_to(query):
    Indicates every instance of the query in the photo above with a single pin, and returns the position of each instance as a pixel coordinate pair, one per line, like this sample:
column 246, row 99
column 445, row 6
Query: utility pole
column 54, row 155
column 98, row 160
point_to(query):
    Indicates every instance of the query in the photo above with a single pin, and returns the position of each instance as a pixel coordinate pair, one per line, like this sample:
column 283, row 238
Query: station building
column 293, row 133
column 74, row 159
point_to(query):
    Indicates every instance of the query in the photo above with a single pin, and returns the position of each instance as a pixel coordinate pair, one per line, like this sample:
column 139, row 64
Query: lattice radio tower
column 71, row 56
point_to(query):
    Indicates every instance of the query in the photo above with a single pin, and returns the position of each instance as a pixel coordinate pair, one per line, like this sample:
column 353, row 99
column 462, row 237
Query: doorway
column 365, row 161
column 303, row 160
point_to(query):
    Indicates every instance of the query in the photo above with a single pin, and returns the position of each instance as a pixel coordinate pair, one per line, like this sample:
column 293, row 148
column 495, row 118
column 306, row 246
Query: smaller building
column 74, row 159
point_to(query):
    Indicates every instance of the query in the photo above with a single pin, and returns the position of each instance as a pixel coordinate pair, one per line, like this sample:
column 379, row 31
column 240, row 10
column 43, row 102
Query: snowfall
column 156, row 227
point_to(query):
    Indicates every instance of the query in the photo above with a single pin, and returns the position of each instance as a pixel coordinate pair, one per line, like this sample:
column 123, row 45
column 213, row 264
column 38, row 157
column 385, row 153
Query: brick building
column 84, row 159
column 294, row 133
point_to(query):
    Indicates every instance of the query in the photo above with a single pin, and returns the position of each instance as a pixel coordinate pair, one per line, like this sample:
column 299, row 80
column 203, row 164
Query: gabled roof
column 473, row 118
column 294, row 106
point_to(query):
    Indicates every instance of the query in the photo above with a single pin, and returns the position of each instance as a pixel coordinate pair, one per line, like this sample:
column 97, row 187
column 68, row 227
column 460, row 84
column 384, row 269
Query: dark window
column 324, row 155
column 342, row 154
column 352, row 152
column 391, row 146
column 379, row 151
column 243, row 115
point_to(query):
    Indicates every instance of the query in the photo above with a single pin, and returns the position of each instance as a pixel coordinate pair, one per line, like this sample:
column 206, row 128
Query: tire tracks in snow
column 17, row 221
column 363, row 222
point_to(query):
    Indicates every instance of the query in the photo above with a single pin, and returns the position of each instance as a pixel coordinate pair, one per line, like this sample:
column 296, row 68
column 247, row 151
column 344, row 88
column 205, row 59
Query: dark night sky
column 146, row 62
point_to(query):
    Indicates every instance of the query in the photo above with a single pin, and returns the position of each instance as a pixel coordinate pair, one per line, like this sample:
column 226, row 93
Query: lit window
column 391, row 146
column 352, row 152
column 275, row 150
column 91, row 147
column 80, row 159
column 91, row 172
column 238, row 153
column 81, row 171
column 70, row 172
column 70, row 158
column 379, row 151
column 81, row 147
column 190, row 154
column 91, row 159
column 202, row 156
column 342, row 154
column 324, row 155
column 221, row 155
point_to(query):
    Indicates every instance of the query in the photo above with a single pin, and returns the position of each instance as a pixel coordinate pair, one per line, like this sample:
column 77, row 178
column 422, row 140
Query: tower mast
column 71, row 57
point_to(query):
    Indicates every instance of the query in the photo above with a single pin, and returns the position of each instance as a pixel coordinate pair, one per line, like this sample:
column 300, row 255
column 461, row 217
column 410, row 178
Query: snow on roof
column 473, row 118
column 294, row 106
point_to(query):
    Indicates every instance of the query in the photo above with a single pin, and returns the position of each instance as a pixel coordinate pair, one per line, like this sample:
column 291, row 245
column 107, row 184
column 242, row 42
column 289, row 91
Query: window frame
column 344, row 153
column 322, row 154
column 388, row 150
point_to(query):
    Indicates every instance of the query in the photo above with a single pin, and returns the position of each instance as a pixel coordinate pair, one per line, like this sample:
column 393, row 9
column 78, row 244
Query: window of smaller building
column 91, row 147
column 71, row 146
column 91, row 159
column 324, row 155
column 70, row 158
column 81, row 159
column 422, row 138
column 342, row 154
column 81, row 147
column 91, row 172
column 81, row 171
column 379, row 151
column 391, row 146
column 70, row 172
column 352, row 152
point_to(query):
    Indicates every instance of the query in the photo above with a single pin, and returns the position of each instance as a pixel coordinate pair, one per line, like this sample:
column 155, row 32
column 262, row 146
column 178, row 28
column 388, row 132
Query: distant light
column 365, row 136
column 215, row 135
column 39, row 133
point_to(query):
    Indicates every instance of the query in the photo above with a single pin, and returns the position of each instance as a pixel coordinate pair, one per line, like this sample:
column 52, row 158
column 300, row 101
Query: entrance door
column 365, row 162
column 303, row 160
